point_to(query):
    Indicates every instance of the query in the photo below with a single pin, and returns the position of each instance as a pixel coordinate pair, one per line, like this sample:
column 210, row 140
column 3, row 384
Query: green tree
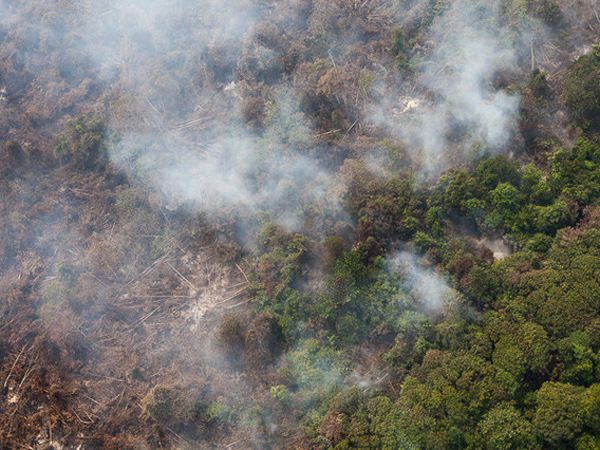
column 505, row 428
column 590, row 408
column 581, row 89
column 493, row 171
column 557, row 420
column 506, row 199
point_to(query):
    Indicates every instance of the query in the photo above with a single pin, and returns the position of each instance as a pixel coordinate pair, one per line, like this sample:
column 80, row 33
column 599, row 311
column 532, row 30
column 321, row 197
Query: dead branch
column 237, row 294
column 79, row 418
column 181, row 440
column 146, row 317
column 182, row 277
column 238, row 304
column 114, row 398
column 27, row 372
column 13, row 366
column 243, row 273
column 328, row 132
column 352, row 126
column 90, row 398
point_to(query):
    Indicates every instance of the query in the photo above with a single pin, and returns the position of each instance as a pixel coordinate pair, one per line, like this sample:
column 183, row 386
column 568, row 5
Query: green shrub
column 84, row 143
column 281, row 394
column 219, row 413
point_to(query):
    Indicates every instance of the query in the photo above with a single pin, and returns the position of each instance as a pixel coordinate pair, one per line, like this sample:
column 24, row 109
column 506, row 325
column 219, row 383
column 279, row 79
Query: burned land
column 299, row 224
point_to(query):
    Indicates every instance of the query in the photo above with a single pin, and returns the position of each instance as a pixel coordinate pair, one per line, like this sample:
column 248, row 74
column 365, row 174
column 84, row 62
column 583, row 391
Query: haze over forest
column 300, row 224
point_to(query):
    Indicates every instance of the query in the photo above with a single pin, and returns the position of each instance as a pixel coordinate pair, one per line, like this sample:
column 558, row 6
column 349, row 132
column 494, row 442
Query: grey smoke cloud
column 233, row 175
column 429, row 288
column 155, row 57
column 158, row 51
column 153, row 60
column 237, row 170
column 454, row 103
column 124, row 34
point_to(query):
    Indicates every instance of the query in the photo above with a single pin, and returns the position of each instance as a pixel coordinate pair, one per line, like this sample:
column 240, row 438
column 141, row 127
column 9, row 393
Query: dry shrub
column 264, row 340
column 334, row 427
column 231, row 336
column 105, row 257
column 169, row 405
column 255, row 103
column 116, row 443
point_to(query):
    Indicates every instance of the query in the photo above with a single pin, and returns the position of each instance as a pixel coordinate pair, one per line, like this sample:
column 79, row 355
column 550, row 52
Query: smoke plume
column 454, row 103
column 430, row 289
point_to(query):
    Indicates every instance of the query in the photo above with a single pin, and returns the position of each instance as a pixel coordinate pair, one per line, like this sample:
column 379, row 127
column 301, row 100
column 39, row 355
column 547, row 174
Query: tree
column 169, row 405
column 505, row 428
column 493, row 171
column 581, row 89
column 506, row 199
column 590, row 408
column 557, row 420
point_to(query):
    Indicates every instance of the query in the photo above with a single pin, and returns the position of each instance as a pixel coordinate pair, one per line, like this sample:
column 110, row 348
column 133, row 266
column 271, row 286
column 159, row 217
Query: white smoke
column 429, row 288
column 454, row 103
